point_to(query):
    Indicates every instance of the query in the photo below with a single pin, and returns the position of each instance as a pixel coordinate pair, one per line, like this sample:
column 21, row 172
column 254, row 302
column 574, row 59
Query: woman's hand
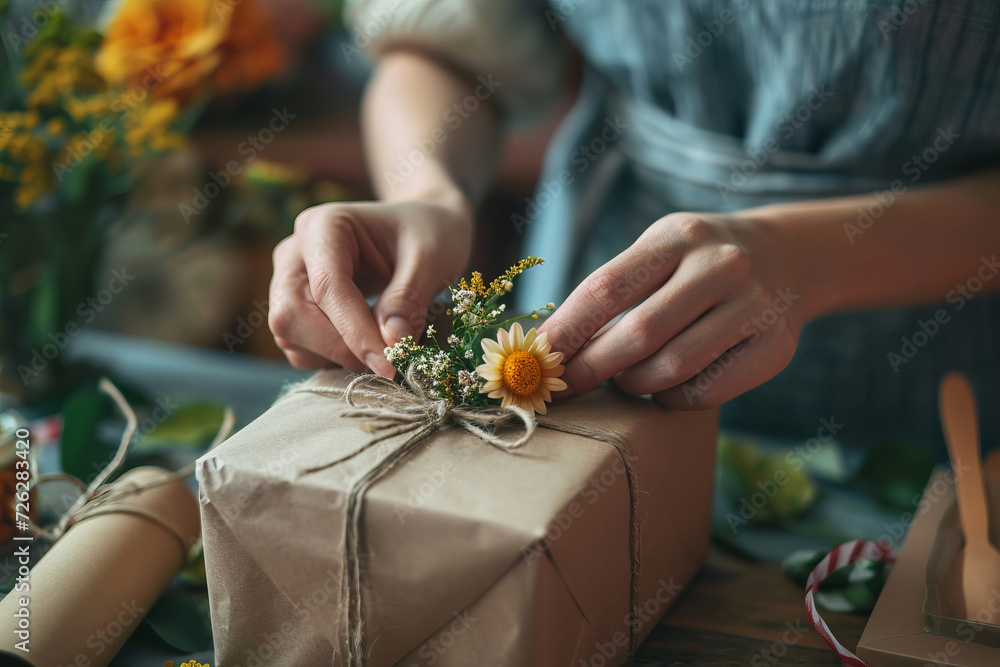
column 339, row 253
column 716, row 313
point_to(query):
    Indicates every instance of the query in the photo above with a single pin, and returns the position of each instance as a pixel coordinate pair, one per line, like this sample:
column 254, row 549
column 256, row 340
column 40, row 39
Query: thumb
column 401, row 310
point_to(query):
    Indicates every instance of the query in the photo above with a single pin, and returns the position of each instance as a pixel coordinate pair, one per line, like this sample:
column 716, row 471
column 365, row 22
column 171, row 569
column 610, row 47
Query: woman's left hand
column 716, row 312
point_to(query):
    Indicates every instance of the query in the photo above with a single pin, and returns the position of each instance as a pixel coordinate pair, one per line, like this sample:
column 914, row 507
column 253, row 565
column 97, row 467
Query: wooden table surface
column 740, row 613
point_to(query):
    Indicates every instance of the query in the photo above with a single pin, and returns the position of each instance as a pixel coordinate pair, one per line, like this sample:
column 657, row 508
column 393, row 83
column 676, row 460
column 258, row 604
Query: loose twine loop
column 98, row 498
column 394, row 411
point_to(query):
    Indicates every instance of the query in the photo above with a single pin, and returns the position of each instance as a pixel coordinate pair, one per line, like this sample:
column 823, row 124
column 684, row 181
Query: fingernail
column 378, row 363
column 397, row 328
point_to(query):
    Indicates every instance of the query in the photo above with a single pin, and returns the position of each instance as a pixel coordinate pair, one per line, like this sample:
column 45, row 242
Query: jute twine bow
column 397, row 411
column 99, row 498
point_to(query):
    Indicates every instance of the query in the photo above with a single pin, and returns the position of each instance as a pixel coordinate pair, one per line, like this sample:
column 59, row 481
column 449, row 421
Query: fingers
column 300, row 328
column 712, row 360
column 305, row 360
column 628, row 278
column 738, row 370
column 332, row 248
column 401, row 309
column 689, row 293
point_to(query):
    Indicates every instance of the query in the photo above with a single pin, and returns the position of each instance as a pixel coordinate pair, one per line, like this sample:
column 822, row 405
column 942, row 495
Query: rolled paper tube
column 94, row 586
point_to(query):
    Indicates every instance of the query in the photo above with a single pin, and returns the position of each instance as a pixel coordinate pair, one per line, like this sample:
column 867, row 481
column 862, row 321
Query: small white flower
column 502, row 307
column 431, row 331
column 469, row 354
column 507, row 286
column 550, row 306
column 453, row 340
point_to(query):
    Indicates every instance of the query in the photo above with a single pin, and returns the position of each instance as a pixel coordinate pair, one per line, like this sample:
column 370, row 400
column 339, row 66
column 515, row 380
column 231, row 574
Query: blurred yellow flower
column 186, row 48
column 82, row 144
column 57, row 72
column 25, row 156
column 95, row 106
column 55, row 126
column 148, row 128
column 36, row 180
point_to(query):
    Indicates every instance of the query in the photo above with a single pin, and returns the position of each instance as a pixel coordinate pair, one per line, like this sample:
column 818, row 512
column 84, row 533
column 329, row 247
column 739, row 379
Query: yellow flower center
column 522, row 373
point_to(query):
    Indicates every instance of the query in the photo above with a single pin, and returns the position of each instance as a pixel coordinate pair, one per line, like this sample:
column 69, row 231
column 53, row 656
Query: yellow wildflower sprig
column 501, row 285
column 449, row 372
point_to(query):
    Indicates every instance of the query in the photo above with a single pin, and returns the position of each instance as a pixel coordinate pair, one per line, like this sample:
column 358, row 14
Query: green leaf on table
column 182, row 621
column 773, row 488
column 825, row 462
column 193, row 424
column 194, row 572
column 898, row 470
column 82, row 454
column 798, row 565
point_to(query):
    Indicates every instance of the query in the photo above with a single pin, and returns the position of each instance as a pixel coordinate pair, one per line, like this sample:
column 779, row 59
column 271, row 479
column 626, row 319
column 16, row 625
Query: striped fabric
column 719, row 105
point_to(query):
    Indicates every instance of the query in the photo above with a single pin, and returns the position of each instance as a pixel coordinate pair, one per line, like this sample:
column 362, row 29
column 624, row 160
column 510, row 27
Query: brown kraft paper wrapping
column 94, row 586
column 471, row 554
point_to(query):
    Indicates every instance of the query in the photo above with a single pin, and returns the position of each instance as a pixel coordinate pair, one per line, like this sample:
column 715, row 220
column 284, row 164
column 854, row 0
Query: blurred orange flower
column 183, row 49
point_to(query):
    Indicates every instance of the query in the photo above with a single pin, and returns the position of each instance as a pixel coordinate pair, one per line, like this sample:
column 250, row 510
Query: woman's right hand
column 338, row 254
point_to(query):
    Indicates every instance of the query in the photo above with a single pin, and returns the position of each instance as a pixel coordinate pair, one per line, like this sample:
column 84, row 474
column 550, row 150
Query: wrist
column 797, row 257
column 439, row 190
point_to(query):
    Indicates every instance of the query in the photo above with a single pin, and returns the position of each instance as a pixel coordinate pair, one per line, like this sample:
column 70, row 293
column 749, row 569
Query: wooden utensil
column 980, row 560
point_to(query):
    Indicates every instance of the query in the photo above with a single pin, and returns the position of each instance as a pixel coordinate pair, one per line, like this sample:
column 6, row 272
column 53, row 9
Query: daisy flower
column 521, row 368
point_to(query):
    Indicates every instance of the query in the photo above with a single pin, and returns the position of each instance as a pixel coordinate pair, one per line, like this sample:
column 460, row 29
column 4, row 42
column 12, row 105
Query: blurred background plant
column 85, row 115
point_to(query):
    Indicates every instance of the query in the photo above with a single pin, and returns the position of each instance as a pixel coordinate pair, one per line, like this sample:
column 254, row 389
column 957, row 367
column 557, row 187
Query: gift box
column 564, row 551
column 918, row 619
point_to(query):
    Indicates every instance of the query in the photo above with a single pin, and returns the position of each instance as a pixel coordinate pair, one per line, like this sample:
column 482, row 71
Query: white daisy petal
column 550, row 360
column 537, row 403
column 529, row 339
column 490, row 374
column 553, row 372
column 498, row 393
column 553, row 384
column 490, row 346
column 490, row 386
column 516, row 336
column 504, row 340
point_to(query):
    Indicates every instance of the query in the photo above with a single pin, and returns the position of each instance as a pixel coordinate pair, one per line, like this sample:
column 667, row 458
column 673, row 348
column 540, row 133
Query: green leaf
column 897, row 469
column 194, row 573
column 182, row 620
column 82, row 453
column 44, row 315
column 193, row 424
column 826, row 462
column 772, row 486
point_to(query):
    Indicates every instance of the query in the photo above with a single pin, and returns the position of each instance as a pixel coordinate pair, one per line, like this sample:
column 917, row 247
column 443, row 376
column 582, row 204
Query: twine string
column 99, row 497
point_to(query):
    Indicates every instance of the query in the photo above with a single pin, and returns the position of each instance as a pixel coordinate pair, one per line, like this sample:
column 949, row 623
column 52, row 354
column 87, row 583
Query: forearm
column 421, row 138
column 867, row 252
